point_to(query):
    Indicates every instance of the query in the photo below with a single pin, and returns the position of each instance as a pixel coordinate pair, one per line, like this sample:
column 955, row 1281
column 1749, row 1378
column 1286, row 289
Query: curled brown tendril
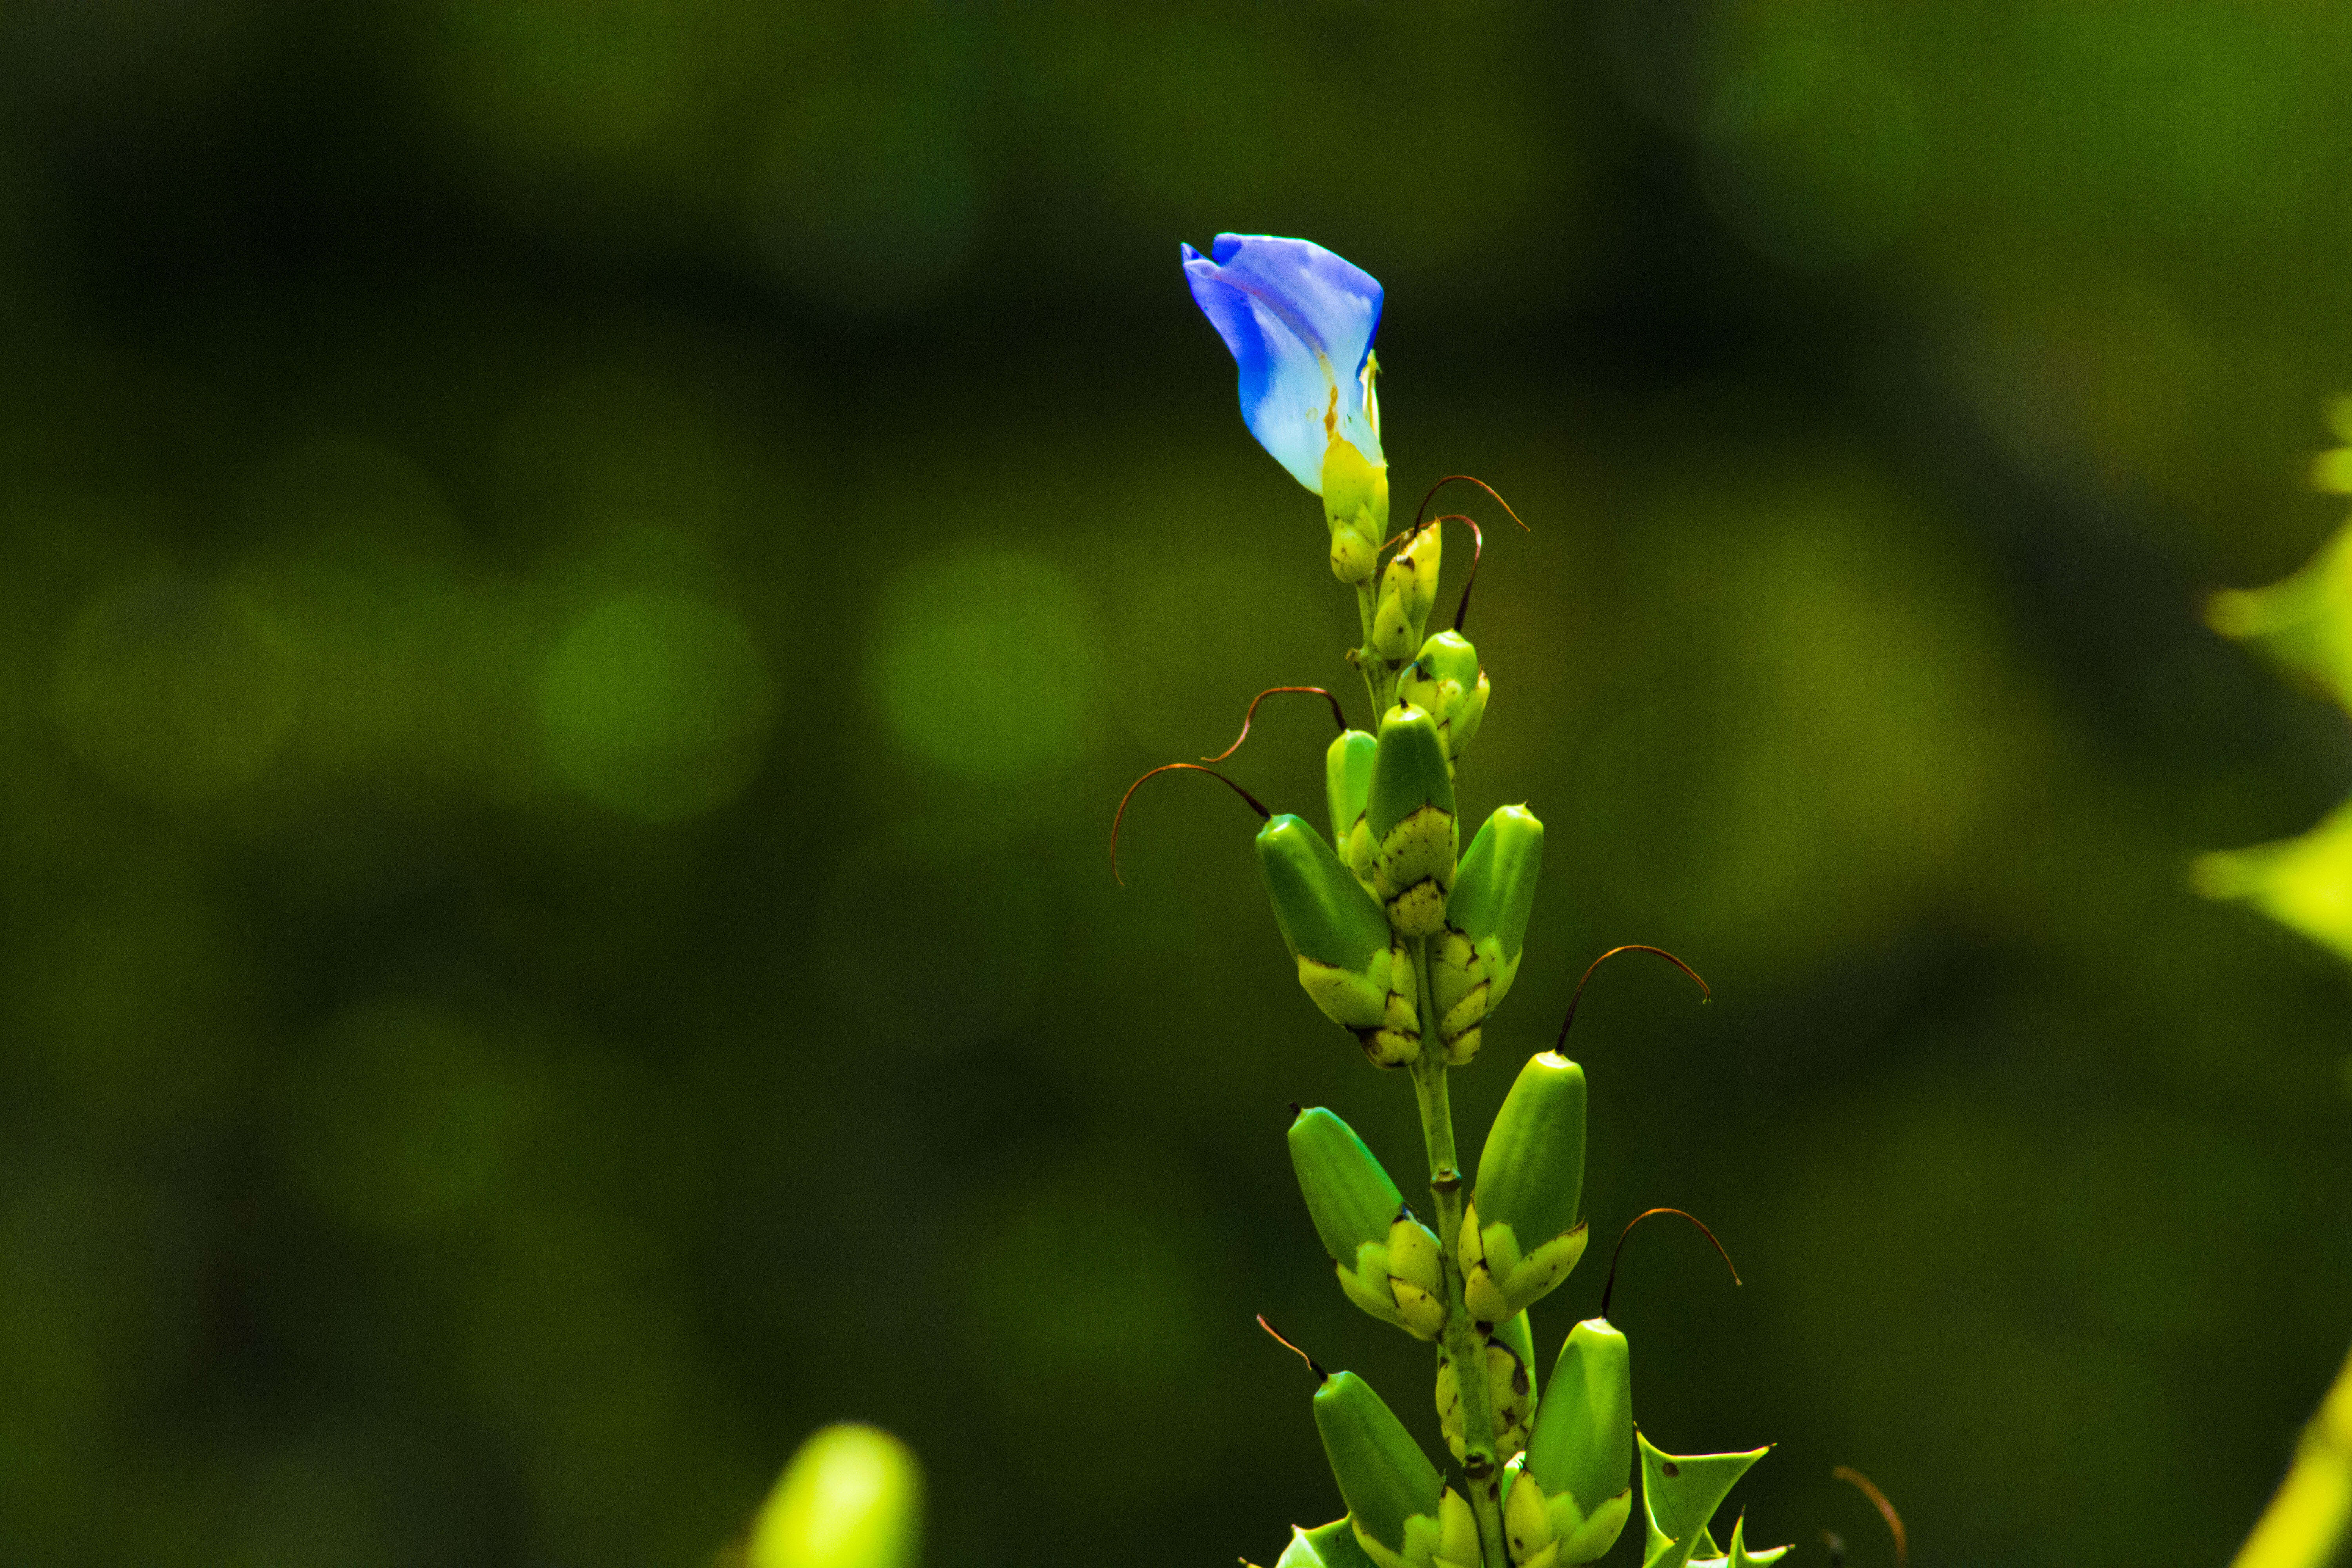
column 1863, row 1484
column 1706, row 991
column 1478, row 548
column 1251, row 717
column 1169, row 767
column 1610, row 1286
column 1477, row 537
column 1467, row 479
column 1319, row 1374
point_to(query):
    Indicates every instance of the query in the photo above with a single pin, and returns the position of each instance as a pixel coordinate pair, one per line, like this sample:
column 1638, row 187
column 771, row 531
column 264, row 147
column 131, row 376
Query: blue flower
column 1300, row 322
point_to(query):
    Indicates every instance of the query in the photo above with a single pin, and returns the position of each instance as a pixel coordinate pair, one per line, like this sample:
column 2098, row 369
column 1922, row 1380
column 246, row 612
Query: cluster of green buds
column 1556, row 1463
column 1353, row 917
column 1410, row 943
column 1349, row 964
column 1446, row 680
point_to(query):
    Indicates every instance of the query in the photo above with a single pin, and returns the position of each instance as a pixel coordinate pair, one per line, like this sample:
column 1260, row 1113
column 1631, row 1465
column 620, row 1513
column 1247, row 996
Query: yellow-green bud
column 1349, row 1194
column 1389, row 1263
column 1579, row 1466
column 1407, row 589
column 1403, row 1514
column 1348, row 786
column 1356, row 506
column 1473, row 961
column 1445, row 678
column 1510, row 1398
column 1520, row 1235
column 1411, row 817
column 851, row 1498
column 1546, row 1530
column 1348, row 963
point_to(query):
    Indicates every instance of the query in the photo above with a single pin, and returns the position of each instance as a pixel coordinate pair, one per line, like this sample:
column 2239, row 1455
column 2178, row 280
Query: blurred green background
column 577, row 581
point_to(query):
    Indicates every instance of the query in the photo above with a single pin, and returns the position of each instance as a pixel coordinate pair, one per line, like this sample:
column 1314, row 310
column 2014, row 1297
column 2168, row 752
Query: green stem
column 1464, row 1345
column 1370, row 665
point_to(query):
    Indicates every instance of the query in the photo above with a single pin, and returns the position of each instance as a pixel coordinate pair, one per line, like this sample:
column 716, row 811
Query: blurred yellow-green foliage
column 2306, row 623
column 578, row 581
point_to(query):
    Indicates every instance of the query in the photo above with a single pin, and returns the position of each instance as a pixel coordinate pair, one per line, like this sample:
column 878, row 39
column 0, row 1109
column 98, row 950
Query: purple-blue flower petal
column 1300, row 322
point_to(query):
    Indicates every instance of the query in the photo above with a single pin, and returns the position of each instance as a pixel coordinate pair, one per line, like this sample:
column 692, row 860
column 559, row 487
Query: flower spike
column 1121, row 815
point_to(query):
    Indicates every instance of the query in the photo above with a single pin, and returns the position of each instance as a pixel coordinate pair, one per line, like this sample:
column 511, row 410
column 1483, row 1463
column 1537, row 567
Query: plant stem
column 1370, row 665
column 1463, row 1344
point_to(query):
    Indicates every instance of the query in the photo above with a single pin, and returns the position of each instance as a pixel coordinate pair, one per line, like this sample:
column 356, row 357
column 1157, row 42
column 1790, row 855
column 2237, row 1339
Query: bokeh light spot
column 985, row 662
column 1815, row 154
column 593, row 78
column 656, row 705
column 173, row 690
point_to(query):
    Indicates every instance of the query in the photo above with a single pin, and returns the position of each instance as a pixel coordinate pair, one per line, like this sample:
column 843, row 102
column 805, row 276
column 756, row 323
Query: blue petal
column 1299, row 321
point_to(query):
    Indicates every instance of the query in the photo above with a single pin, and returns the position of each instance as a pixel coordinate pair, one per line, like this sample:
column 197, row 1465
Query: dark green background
column 578, row 582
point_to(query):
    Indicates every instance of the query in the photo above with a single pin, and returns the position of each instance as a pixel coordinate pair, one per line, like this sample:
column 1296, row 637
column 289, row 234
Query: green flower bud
column 1544, row 1530
column 1411, row 817
column 1578, row 1473
column 1348, row 963
column 1408, row 588
column 1387, row 1262
column 1473, row 961
column 1520, row 1233
column 1445, row 678
column 1349, row 1194
column 1356, row 506
column 852, row 1498
column 1403, row 1514
column 1347, row 786
column 1679, row 1494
